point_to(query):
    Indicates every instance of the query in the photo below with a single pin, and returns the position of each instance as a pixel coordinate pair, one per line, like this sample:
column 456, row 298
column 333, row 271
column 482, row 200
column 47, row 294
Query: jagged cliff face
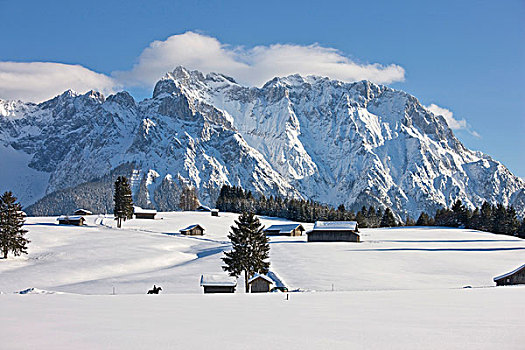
column 310, row 137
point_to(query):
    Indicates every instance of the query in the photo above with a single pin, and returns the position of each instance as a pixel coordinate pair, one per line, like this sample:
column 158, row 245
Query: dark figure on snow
column 155, row 290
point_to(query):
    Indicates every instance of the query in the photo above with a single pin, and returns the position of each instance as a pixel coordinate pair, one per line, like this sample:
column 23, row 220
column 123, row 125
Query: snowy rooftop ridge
column 264, row 277
column 70, row 217
column 191, row 227
column 283, row 228
column 218, row 280
column 508, row 273
column 139, row 210
column 335, row 225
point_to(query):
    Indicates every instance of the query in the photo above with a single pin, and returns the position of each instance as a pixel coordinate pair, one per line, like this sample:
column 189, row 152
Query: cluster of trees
column 490, row 218
column 236, row 199
column 11, row 226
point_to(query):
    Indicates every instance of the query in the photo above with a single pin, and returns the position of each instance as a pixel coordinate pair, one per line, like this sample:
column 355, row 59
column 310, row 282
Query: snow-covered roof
column 215, row 210
column 70, row 217
column 83, row 211
column 335, row 225
column 218, row 280
column 203, row 208
column 284, row 228
column 139, row 210
column 509, row 273
column 191, row 227
column 260, row 276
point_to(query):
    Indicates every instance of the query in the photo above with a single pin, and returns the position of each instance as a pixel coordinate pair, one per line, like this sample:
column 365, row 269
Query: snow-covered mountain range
column 306, row 137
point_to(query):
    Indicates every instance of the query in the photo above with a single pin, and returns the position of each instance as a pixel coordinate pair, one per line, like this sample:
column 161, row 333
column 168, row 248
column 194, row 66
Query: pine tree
column 123, row 202
column 388, row 219
column 250, row 248
column 423, row 220
column 11, row 226
column 521, row 229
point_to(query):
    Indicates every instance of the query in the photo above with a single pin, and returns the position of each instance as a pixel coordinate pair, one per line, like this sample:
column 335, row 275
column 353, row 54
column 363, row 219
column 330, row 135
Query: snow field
column 485, row 318
column 98, row 258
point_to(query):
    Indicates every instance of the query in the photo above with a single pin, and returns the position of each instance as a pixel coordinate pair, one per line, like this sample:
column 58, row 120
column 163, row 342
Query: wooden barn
column 71, row 220
column 215, row 212
column 260, row 284
column 285, row 230
column 193, row 230
column 334, row 231
column 218, row 284
column 144, row 213
column 516, row 276
column 82, row 212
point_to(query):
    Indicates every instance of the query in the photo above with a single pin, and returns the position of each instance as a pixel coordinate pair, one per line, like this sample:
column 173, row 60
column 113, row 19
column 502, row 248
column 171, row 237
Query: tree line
column 490, row 218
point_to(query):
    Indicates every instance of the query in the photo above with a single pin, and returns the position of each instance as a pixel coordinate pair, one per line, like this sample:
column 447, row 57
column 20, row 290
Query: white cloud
column 40, row 81
column 250, row 66
column 453, row 123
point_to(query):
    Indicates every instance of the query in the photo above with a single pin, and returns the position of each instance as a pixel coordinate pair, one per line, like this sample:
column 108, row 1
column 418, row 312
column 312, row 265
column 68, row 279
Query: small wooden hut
column 218, row 284
column 144, row 213
column 260, row 283
column 516, row 276
column 71, row 220
column 193, row 230
column 285, row 230
column 334, row 231
column 215, row 212
column 82, row 212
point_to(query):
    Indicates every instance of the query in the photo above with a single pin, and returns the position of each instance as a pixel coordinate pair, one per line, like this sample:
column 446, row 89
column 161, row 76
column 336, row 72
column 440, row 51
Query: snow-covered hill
column 306, row 137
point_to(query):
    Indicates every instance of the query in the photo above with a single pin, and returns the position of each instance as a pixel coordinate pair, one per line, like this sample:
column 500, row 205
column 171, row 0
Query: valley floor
column 400, row 288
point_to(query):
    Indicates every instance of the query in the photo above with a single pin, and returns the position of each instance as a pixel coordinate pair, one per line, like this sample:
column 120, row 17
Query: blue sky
column 467, row 57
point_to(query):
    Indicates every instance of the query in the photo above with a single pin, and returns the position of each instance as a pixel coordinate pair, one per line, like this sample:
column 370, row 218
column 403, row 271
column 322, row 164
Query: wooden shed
column 82, row 212
column 334, row 231
column 517, row 276
column 218, row 284
column 215, row 212
column 260, row 283
column 144, row 213
column 71, row 220
column 285, row 230
column 193, row 230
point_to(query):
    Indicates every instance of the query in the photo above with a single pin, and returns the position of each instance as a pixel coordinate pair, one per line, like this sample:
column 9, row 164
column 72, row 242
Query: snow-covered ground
column 96, row 258
column 399, row 288
column 486, row 318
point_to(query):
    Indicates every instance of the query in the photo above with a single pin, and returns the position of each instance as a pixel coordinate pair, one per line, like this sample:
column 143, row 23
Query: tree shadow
column 448, row 241
column 437, row 249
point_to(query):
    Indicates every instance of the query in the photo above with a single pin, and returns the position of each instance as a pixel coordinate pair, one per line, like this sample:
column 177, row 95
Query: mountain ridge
column 306, row 137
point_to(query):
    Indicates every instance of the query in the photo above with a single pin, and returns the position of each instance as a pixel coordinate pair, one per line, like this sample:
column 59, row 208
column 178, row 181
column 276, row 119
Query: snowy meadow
column 399, row 288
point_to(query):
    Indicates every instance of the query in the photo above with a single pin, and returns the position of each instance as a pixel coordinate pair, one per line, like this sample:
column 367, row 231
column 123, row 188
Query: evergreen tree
column 521, row 229
column 123, row 202
column 11, row 226
column 486, row 220
column 361, row 218
column 388, row 219
column 460, row 214
column 423, row 220
column 250, row 248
